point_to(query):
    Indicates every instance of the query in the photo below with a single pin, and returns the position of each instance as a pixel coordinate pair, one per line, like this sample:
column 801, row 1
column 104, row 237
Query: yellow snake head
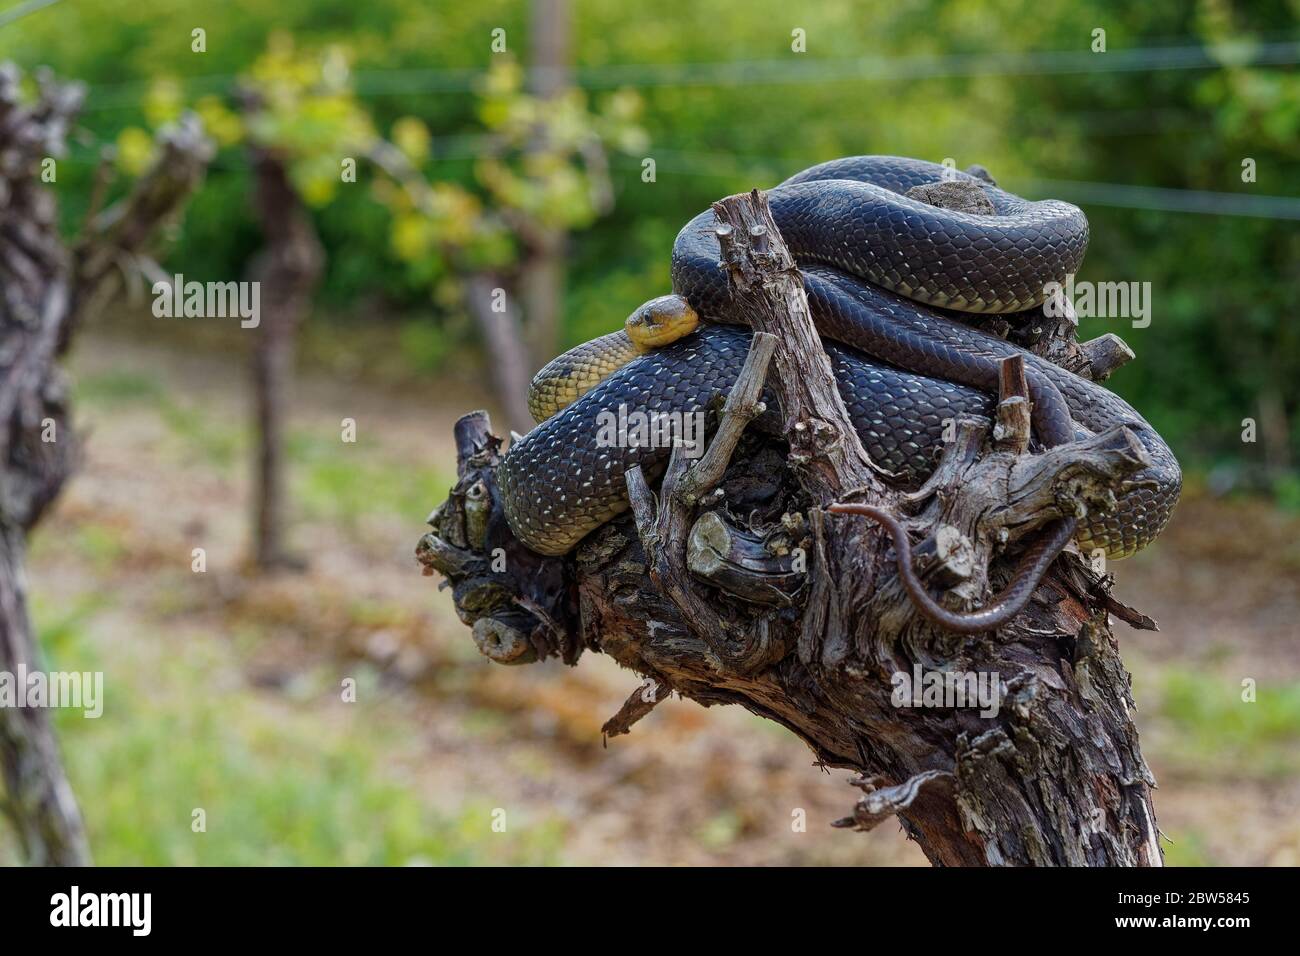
column 661, row 321
column 568, row 377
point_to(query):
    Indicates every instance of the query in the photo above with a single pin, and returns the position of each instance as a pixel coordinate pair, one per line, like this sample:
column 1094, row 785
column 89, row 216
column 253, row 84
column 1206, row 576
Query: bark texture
column 503, row 334
column 46, row 289
column 734, row 585
column 288, row 268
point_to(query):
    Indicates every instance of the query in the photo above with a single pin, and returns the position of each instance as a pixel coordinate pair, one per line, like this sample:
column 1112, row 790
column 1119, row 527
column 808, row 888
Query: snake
column 891, row 280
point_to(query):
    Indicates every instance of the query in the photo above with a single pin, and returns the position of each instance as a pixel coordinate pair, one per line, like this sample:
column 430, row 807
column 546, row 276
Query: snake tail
column 1003, row 608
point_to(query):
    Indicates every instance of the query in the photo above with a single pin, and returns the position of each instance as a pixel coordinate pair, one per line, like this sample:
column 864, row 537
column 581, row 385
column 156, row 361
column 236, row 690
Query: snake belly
column 856, row 238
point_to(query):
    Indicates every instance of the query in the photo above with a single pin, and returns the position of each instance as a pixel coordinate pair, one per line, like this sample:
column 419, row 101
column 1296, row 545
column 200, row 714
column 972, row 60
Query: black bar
column 943, row 906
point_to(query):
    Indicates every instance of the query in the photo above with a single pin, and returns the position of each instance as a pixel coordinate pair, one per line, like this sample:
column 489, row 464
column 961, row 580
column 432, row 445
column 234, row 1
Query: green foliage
column 541, row 164
column 308, row 112
column 725, row 105
column 297, row 105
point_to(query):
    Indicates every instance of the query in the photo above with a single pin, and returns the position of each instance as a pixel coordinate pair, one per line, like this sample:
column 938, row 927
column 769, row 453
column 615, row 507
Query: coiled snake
column 886, row 277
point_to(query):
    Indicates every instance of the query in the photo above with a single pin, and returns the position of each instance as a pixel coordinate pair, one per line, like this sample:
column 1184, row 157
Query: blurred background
column 552, row 149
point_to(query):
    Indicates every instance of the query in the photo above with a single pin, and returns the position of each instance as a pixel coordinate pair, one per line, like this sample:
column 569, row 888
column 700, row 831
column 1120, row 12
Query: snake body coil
column 910, row 363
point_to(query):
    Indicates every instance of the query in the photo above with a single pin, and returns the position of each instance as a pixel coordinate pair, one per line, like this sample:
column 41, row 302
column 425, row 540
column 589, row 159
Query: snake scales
column 887, row 277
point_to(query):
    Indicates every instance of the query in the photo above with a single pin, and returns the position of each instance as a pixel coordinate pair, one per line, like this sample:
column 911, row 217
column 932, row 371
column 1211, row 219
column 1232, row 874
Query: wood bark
column 288, row 268
column 46, row 289
column 507, row 349
column 1053, row 775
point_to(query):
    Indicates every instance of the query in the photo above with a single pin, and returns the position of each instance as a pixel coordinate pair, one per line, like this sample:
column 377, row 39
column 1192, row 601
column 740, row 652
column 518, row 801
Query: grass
column 290, row 776
column 217, row 443
column 338, row 486
column 1186, row 849
column 117, row 388
column 283, row 779
column 331, row 480
column 296, row 776
column 1206, row 729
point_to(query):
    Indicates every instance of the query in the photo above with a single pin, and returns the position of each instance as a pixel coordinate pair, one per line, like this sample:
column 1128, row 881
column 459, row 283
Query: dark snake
column 887, row 276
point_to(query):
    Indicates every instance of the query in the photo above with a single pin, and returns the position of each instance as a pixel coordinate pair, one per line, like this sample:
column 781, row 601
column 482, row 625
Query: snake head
column 661, row 321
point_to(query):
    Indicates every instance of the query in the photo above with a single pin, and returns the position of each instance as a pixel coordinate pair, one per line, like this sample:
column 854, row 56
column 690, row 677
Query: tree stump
column 735, row 585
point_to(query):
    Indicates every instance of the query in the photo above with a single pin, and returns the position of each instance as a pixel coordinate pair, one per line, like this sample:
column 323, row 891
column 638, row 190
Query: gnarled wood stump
column 734, row 585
